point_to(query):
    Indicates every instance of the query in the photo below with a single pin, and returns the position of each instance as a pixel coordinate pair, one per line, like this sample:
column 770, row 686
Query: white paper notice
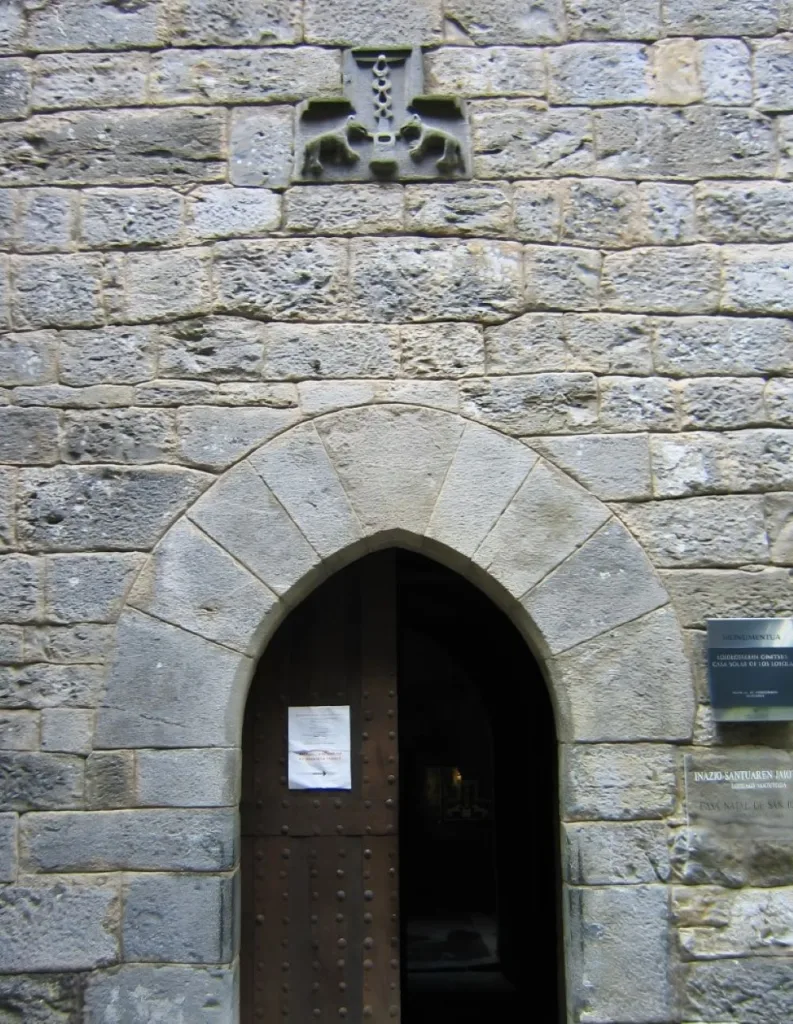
column 319, row 747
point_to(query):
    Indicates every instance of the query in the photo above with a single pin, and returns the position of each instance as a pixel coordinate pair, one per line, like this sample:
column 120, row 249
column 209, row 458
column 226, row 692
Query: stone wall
column 612, row 288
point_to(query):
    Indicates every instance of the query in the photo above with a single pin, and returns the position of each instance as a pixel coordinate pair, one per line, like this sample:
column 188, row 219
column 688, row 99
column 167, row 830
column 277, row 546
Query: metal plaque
column 741, row 791
column 750, row 669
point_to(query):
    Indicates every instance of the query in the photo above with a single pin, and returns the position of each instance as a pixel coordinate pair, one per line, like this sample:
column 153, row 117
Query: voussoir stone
column 611, row 466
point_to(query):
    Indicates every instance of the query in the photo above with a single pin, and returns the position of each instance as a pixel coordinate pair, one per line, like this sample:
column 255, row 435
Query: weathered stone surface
column 701, row 594
column 110, row 780
column 169, row 588
column 485, row 474
column 625, row 925
column 667, row 213
column 14, row 87
column 345, row 209
column 145, row 704
column 74, row 509
column 31, row 781
column 731, row 346
column 779, row 527
column 215, row 437
column 618, row 783
column 178, row 919
column 283, row 278
column 486, row 71
column 67, row 730
column 600, row 212
column 675, row 72
column 361, row 22
column 82, row 644
column 45, row 220
column 21, row 589
column 28, row 358
column 216, row 211
column 748, row 991
column 726, row 72
column 613, row 466
column 57, row 290
column 528, row 344
column 109, row 355
column 295, row 352
column 43, row 686
column 661, row 280
column 537, row 209
column 718, row 923
column 138, row 994
column 176, row 283
column 618, row 19
column 19, row 730
column 721, row 17
column 11, row 644
column 41, row 998
column 100, row 396
column 211, row 348
column 606, row 582
column 548, row 518
column 718, row 403
column 187, row 778
column 262, row 140
column 562, row 278
column 88, row 24
column 392, row 463
column 615, row 679
column 757, row 279
column 709, row 531
column 692, row 143
column 119, row 436
column 611, row 854
column 142, row 147
column 59, row 924
column 8, row 852
column 596, row 73
column 458, row 209
column 75, row 80
column 130, row 217
column 235, row 22
column 500, row 21
column 298, row 471
column 12, row 27
column 521, row 138
column 144, row 840
column 244, row 76
column 423, row 279
column 543, row 402
column 442, row 350
column 778, row 401
column 749, row 212
column 28, row 435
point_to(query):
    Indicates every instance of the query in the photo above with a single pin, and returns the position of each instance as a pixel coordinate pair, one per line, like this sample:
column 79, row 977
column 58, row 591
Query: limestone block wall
column 612, row 290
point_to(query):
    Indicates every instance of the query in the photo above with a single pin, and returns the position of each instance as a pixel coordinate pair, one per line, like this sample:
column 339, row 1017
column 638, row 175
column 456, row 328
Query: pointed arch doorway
column 424, row 889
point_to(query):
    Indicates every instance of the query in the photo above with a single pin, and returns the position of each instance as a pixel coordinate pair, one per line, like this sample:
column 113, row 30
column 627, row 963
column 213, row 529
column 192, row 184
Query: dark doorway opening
column 479, row 858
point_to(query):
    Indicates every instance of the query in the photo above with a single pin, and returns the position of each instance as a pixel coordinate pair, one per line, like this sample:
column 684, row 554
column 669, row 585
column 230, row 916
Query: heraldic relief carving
column 383, row 127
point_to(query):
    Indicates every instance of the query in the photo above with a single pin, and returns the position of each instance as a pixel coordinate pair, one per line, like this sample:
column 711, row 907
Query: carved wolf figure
column 433, row 140
column 334, row 145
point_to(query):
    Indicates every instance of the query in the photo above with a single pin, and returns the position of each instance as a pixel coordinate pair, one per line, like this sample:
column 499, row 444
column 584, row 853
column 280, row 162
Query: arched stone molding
column 554, row 557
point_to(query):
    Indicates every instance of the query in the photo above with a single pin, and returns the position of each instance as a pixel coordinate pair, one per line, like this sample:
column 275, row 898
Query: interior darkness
column 479, row 889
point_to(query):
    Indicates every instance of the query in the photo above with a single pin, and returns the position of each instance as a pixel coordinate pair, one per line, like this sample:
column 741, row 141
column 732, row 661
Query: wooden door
column 320, row 929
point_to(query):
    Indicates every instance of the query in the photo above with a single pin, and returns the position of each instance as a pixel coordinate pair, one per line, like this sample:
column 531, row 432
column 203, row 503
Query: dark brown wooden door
column 320, row 908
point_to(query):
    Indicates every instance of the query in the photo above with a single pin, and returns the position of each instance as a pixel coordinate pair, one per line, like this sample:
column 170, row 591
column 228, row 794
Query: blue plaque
column 750, row 669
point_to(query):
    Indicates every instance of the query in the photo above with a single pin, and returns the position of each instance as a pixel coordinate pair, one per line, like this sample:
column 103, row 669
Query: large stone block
column 615, row 681
column 107, row 355
column 211, row 348
column 726, row 72
column 59, row 924
column 46, row 220
column 536, row 404
column 283, row 279
column 714, row 923
column 616, row 854
column 261, row 144
column 234, row 22
column 11, row 644
column 170, row 588
column 701, row 594
column 755, row 990
column 148, row 702
column 349, row 209
column 728, row 346
column 120, row 436
column 723, row 403
column 458, row 209
column 424, row 279
column 141, row 994
column 300, row 351
column 187, row 778
column 749, row 212
column 662, row 280
column 358, row 22
column 89, row 588
column 521, row 138
column 597, row 73
column 777, row 399
column 12, row 26
column 28, row 358
column 14, row 87
column 606, row 582
column 600, row 212
column 502, row 21
column 144, row 840
column 483, row 478
column 148, row 147
column 667, row 213
column 537, row 207
column 110, row 780
column 215, row 437
column 690, row 143
column 31, row 781
column 392, row 463
column 779, row 526
column 486, row 71
column 62, row 291
column 169, row 284
column 442, row 350
column 527, row 344
column 130, row 217
column 94, row 24
column 723, row 17
column 8, row 850
column 622, row 971
column 757, row 279
column 67, row 730
column 675, row 71
column 28, row 435
column 614, row 467
column 76, row 80
column 298, row 471
column 244, row 76
column 548, row 518
column 21, row 588
column 19, row 730
column 74, row 509
column 558, row 277
column 220, row 211
column 614, row 19
column 185, row 919
column 618, row 783
column 45, row 686
column 712, row 531
column 81, row 644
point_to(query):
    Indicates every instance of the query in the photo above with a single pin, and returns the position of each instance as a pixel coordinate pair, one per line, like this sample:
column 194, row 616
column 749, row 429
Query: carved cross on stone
column 383, row 127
